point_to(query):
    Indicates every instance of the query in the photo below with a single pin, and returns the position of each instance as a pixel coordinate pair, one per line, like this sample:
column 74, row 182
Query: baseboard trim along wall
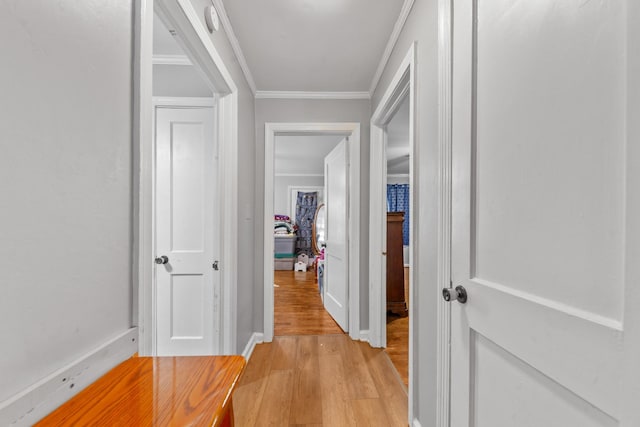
column 364, row 335
column 32, row 404
column 256, row 338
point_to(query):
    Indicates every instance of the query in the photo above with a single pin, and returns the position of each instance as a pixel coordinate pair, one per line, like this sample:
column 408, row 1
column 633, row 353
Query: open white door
column 539, row 207
column 187, row 284
column 336, row 267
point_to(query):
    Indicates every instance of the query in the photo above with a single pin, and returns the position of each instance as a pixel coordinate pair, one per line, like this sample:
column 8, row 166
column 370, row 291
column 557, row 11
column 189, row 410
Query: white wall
column 397, row 179
column 287, row 110
column 422, row 26
column 281, row 191
column 178, row 80
column 65, row 183
column 246, row 184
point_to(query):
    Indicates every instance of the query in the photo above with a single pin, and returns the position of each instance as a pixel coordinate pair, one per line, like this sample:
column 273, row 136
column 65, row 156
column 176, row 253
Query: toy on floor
column 303, row 262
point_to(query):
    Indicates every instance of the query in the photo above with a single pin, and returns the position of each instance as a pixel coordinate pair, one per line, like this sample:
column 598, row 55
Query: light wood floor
column 398, row 337
column 298, row 308
column 326, row 380
column 313, row 374
column 398, row 344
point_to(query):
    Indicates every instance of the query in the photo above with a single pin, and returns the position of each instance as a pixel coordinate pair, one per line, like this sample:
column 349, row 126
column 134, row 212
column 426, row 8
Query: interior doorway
column 349, row 298
column 218, row 115
column 398, row 97
column 398, row 224
column 186, row 221
column 299, row 265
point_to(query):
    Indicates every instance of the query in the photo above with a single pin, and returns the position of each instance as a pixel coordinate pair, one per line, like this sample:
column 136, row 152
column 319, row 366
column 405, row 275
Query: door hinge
column 215, row 265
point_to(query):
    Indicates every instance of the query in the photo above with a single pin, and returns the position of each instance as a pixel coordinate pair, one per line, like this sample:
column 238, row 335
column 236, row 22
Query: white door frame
column 348, row 129
column 403, row 84
column 196, row 42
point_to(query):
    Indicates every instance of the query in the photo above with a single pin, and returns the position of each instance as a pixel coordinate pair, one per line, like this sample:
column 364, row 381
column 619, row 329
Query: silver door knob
column 458, row 294
column 162, row 259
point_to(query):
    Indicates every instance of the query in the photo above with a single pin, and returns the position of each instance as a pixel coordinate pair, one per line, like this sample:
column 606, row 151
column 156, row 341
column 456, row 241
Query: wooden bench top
column 156, row 391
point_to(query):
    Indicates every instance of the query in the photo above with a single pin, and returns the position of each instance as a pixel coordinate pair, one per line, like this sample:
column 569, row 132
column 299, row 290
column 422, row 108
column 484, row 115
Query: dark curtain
column 306, row 206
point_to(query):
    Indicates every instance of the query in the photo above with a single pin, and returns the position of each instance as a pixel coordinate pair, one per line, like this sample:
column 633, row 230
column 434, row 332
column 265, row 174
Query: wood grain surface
column 298, row 308
column 156, row 391
column 398, row 337
column 327, row 380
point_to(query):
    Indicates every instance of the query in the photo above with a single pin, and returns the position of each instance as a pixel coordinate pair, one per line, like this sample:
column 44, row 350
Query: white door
column 336, row 271
column 539, row 208
column 187, row 285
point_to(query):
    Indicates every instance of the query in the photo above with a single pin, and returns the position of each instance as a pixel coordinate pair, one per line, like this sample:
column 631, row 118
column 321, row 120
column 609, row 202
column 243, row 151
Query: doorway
column 399, row 95
column 186, row 222
column 351, row 291
column 398, row 241
column 298, row 264
column 182, row 23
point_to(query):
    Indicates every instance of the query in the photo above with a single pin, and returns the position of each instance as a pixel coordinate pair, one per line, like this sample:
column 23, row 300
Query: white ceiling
column 303, row 155
column 398, row 141
column 313, row 45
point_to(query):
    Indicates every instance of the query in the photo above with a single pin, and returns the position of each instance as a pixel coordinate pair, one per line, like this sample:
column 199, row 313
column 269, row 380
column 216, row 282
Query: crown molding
column 235, row 45
column 283, row 94
column 393, row 39
column 171, row 60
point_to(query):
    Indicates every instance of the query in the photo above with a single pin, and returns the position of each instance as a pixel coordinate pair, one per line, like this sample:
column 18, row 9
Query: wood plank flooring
column 298, row 308
column 398, row 344
column 313, row 374
column 398, row 337
column 326, row 380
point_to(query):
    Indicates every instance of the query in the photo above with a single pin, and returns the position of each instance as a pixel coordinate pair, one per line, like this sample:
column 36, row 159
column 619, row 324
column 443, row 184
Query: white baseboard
column 38, row 400
column 256, row 338
column 416, row 423
column 364, row 335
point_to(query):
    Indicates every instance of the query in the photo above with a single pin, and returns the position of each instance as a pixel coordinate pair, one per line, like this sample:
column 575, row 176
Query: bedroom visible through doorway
column 398, row 191
column 299, row 192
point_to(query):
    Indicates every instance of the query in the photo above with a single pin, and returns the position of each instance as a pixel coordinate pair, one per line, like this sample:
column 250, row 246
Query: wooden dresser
column 156, row 391
column 396, row 302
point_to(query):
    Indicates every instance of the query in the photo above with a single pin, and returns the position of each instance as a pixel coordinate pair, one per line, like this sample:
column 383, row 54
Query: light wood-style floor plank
column 254, row 382
column 387, row 381
column 298, row 308
column 398, row 337
column 311, row 384
column 313, row 374
column 369, row 412
column 306, row 405
column 360, row 385
column 276, row 401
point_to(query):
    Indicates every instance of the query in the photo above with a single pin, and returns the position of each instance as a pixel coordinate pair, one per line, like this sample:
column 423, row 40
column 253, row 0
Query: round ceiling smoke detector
column 211, row 16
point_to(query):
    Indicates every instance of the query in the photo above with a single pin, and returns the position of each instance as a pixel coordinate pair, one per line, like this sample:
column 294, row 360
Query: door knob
column 459, row 294
column 162, row 259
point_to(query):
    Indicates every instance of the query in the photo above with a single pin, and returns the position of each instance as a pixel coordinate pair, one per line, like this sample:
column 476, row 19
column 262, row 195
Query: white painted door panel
column 538, row 212
column 336, row 271
column 187, row 286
